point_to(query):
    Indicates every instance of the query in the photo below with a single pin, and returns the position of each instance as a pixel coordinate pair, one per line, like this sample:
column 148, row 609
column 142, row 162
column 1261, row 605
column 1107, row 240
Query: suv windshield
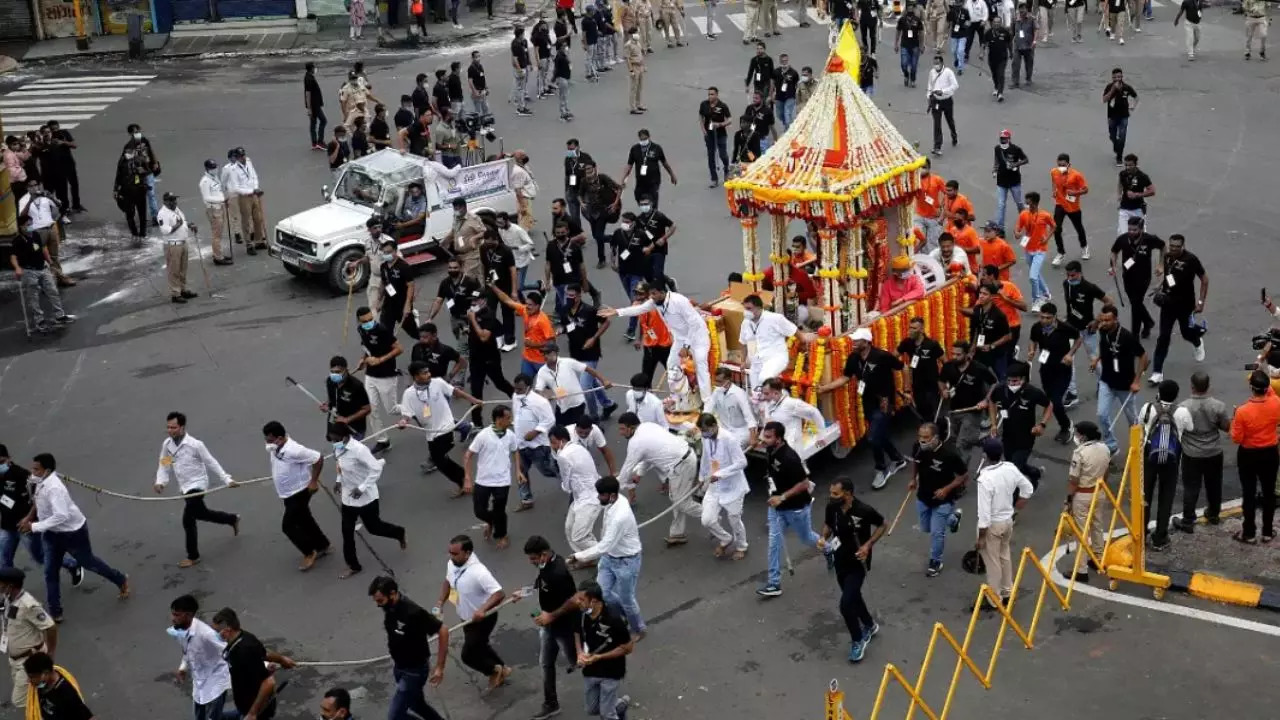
column 359, row 187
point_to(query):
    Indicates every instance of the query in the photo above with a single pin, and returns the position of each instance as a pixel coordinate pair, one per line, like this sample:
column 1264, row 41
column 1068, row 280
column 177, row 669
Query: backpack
column 1164, row 446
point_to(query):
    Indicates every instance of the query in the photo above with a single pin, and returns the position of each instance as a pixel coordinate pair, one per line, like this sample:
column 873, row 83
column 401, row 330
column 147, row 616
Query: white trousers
column 765, row 366
column 711, row 507
column 700, row 349
column 382, row 401
column 579, row 525
column 680, row 485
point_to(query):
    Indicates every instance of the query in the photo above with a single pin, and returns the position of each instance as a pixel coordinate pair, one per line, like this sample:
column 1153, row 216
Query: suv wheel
column 338, row 277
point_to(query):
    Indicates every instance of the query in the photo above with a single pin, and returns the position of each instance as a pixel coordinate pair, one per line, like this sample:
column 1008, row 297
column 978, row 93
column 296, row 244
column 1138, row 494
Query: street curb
column 1221, row 589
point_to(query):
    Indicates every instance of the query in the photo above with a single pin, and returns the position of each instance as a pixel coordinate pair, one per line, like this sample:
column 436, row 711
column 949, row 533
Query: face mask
column 585, row 611
column 627, row 227
column 42, row 686
column 338, row 446
column 388, row 257
column 1015, row 388
column 137, row 136
column 341, row 139
column 644, row 143
column 336, row 377
column 1073, row 281
column 806, row 78
column 904, row 275
column 1062, row 169
column 708, row 436
column 1004, row 143
column 1075, row 440
column 422, row 385
column 542, row 566
column 174, row 632
column 271, row 447
column 645, row 208
column 4, row 468
column 570, row 153
column 369, row 325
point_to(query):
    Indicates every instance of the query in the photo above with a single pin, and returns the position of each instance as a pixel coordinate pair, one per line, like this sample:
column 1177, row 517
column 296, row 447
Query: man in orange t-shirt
column 965, row 237
column 1253, row 428
column 537, row 328
column 1034, row 226
column 655, row 339
column 929, row 208
column 995, row 251
column 1068, row 187
column 953, row 202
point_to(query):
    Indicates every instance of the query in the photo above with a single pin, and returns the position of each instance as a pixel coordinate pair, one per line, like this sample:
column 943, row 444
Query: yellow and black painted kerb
column 1224, row 590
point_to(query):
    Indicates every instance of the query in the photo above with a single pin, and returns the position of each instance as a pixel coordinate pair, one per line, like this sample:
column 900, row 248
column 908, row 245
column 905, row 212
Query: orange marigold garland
column 713, row 353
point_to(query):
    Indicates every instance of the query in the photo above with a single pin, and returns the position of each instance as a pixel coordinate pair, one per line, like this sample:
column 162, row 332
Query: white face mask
column 271, row 447
column 1063, row 169
column 626, row 226
column 1004, row 143
column 1015, row 388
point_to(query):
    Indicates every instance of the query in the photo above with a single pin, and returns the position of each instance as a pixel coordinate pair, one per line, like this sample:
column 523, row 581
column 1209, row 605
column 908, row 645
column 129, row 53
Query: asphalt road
column 97, row 396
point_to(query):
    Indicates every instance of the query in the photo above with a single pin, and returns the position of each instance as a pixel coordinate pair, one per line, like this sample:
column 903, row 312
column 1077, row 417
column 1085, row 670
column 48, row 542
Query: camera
column 475, row 125
column 1271, row 336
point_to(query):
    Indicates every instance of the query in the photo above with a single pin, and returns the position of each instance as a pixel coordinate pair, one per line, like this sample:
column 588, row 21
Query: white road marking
column 66, row 98
column 13, row 102
column 91, row 78
column 25, row 128
column 26, row 92
column 28, row 117
column 11, row 111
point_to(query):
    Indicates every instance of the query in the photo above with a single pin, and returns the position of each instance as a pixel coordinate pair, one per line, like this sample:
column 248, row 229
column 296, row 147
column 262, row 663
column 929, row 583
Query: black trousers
column 1205, row 471
column 373, row 524
column 507, row 314
column 300, row 526
column 1021, row 459
column 1161, row 481
column 857, row 617
column 1257, row 468
column 490, row 368
column 570, row 417
column 867, row 27
column 998, row 65
column 316, row 123
column 438, row 448
column 193, row 510
column 1023, row 57
column 1171, row 315
column 1056, row 380
column 652, row 356
column 555, row 639
column 134, row 205
column 477, row 653
column 717, row 142
column 1140, row 318
column 943, row 108
column 392, row 314
column 489, row 504
column 1077, row 221
column 598, row 223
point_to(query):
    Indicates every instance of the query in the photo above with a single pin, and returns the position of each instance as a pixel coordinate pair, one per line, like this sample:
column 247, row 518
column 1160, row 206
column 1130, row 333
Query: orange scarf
column 33, row 696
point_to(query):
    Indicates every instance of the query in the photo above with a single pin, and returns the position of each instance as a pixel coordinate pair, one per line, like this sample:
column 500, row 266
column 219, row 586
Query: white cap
column 862, row 334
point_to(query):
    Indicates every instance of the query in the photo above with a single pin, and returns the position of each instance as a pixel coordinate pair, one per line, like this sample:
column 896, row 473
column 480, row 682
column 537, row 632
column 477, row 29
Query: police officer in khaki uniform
column 27, row 629
column 673, row 22
column 1089, row 464
column 175, row 231
column 634, row 52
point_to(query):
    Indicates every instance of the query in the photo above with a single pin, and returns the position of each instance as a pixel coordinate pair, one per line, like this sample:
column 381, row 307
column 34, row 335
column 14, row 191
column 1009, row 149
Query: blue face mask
column 336, row 377
column 1074, row 282
column 174, row 632
column 338, row 446
column 369, row 325
column 570, row 153
column 4, row 468
column 42, row 686
column 388, row 257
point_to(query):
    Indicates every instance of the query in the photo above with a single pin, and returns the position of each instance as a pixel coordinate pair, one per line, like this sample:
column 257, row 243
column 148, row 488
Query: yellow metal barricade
column 1122, row 558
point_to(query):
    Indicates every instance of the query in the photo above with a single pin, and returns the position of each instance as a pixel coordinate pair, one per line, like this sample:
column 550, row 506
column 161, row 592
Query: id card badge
column 955, row 29
column 573, row 181
column 715, row 466
column 982, row 340
column 165, row 461
column 1021, row 34
column 915, row 360
column 1128, row 263
column 773, row 487
column 711, row 127
column 1071, row 198
column 929, row 199
column 6, row 501
column 1043, row 357
column 4, row 642
column 862, row 386
column 561, row 393
column 644, row 170
column 453, row 597
column 784, row 87
column 493, row 276
column 1024, row 240
column 651, row 334
column 426, row 412
column 757, row 77
column 449, row 303
column 624, row 254
column 649, row 234
column 1004, row 414
column 751, row 348
column 1168, row 280
column 910, row 34
column 1115, row 364
column 1075, row 312
column 833, row 544
column 390, row 290
column 570, row 327
column 568, row 268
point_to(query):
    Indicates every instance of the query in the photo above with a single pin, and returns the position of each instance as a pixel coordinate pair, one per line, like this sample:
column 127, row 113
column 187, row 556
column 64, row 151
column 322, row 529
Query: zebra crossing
column 786, row 20
column 69, row 100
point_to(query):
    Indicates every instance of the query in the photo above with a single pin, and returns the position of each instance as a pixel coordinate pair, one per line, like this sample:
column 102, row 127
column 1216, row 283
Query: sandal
column 720, row 550
column 1240, row 538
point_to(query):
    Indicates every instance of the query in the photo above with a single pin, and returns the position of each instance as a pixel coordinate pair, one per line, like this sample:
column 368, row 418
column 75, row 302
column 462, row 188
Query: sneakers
column 382, row 446
column 857, row 651
column 1070, row 400
column 770, row 591
column 954, row 525
column 1057, row 259
column 77, row 576
column 1121, row 41
column 1000, row 98
column 547, row 711
column 1156, row 378
column 507, row 347
column 1084, row 254
column 935, row 567
column 1199, row 353
column 64, row 319
column 1035, row 305
column 524, row 112
column 879, row 482
column 868, row 634
column 1063, row 437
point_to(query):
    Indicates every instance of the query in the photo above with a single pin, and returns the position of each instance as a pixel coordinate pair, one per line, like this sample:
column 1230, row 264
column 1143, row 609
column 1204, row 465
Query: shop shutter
column 15, row 20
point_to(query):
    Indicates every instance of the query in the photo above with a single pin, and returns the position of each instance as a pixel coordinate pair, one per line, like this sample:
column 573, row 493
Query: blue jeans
column 1039, row 290
column 1118, row 131
column 878, row 436
column 1108, row 401
column 618, row 577
column 212, row 710
column 909, row 59
column 716, row 142
column 1091, row 344
column 539, row 457
column 453, row 11
column 1002, row 196
column 785, row 111
column 658, row 264
column 935, row 521
column 75, row 543
column 9, row 540
column 530, row 368
column 629, row 283
column 598, row 400
column 957, row 52
column 601, row 696
column 779, row 520
column 411, row 695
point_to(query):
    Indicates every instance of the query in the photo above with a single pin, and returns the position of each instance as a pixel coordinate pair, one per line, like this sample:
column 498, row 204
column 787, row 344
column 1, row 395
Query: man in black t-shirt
column 1134, row 187
column 313, row 100
column 418, row 135
column 1120, row 364
column 848, row 538
column 1051, row 344
column 1116, row 97
column 989, row 332
column 785, row 83
column 938, row 476
column 647, row 159
column 1014, row 418
column 253, row 687
column 923, row 356
column 440, row 92
column 30, row 262
column 1075, row 19
column 1190, row 9
column 1079, row 295
column 484, row 355
column 499, row 265
column 557, row 621
column 758, row 120
column 584, row 328
column 999, row 47
column 454, row 82
column 906, row 42
column 872, row 369
column 657, row 228
column 564, row 264
column 967, row 382
column 444, row 361
column 379, row 364
column 574, row 157
column 601, row 199
column 1180, row 304
column 790, row 495
column 520, row 66
column 56, row 697
column 1006, row 168
column 379, row 131
column 630, row 257
column 456, row 293
column 713, row 118
column 348, row 401
column 603, row 643
column 1131, row 257
column 409, row 630
column 398, row 290
column 478, row 84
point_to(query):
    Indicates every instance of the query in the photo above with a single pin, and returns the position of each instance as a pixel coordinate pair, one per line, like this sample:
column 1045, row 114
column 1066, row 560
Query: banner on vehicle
column 476, row 181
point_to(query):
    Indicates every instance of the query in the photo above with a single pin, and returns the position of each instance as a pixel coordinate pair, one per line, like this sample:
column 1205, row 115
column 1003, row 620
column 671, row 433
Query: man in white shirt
column 66, row 532
column 474, row 592
column 558, row 379
column 618, row 552
column 534, row 419
column 190, row 462
column 201, row 658
column 357, row 485
column 426, row 404
column 672, row 459
column 242, row 183
column 1163, row 425
column 174, row 231
column 228, row 192
column 793, row 413
column 732, row 409
column 295, row 471
column 687, row 326
column 589, row 435
column 941, row 90
column 764, row 334
column 578, row 476
column 496, row 453
column 997, row 483
column 641, row 402
column 723, row 468
column 215, row 208
column 43, row 213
